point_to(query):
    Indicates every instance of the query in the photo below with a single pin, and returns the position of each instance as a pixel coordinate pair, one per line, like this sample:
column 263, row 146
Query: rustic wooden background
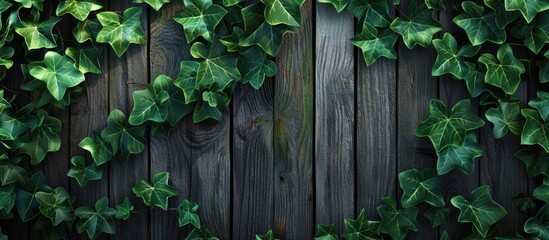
column 321, row 140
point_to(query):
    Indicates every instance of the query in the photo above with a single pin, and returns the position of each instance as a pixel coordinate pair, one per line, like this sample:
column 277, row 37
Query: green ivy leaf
column 124, row 138
column 417, row 27
column 11, row 172
column 373, row 12
column 124, row 209
column 155, row 4
column 268, row 236
column 325, row 232
column 200, row 18
column 448, row 129
column 395, row 222
column 157, row 193
column 460, row 157
column 218, row 69
column 506, row 117
column 435, row 4
column 529, row 8
column 80, row 9
column 450, row 60
column 541, row 103
column 82, row 172
column 26, row 203
column 58, row 72
column 544, row 72
column 257, row 31
column 186, row 80
column 360, row 228
column 56, row 205
column 524, row 203
column 188, row 214
column 437, row 216
column 7, row 200
column 285, row 12
column 44, row 138
column 479, row 26
column 481, row 211
column 86, row 30
column 121, row 34
column 5, row 54
column 203, row 110
column 339, row 5
column 202, row 234
column 38, row 4
column 148, row 106
column 255, row 67
column 536, row 162
column 100, row 150
column 534, row 35
column 535, row 130
column 474, row 80
column 503, row 72
column 86, row 58
column 374, row 45
column 541, row 192
column 37, row 34
column 538, row 225
column 420, row 186
column 97, row 221
column 503, row 17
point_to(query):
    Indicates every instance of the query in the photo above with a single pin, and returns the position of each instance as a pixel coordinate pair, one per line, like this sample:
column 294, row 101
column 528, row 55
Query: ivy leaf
column 541, row 192
column 524, row 203
column 474, row 81
column 200, row 18
column 203, row 109
column 534, row 35
column 420, row 186
column 37, row 34
column 503, row 17
column 435, row 4
column 325, row 232
column 374, row 45
column 503, row 72
column 80, row 9
column 268, row 236
column 255, row 67
column 202, row 234
column 124, row 138
column 536, row 162
column 437, row 216
column 535, row 130
column 257, row 31
column 86, row 58
column 58, row 72
column 339, row 5
column 155, row 4
column 38, row 4
column 100, row 150
column 7, row 200
column 148, row 106
column 44, row 139
column 394, row 222
column 84, row 173
column 121, row 34
column 481, row 211
column 11, row 172
column 538, row 225
column 186, row 80
column 157, row 193
column 86, row 30
column 56, row 205
column 97, row 221
column 373, row 12
column 418, row 27
column 544, row 72
column 361, row 228
column 506, row 117
column 529, row 8
column 124, row 210
column 187, row 214
column 285, row 12
column 541, row 103
column 218, row 69
column 460, row 157
column 450, row 60
column 479, row 26
column 448, row 129
column 26, row 203
column 5, row 54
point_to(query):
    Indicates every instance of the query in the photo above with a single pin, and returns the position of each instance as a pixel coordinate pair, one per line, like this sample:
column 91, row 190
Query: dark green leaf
column 218, row 68
column 420, row 186
column 268, row 236
column 188, row 214
column 80, row 9
column 374, row 45
column 124, row 209
column 541, row 192
column 255, row 67
column 361, row 228
column 97, row 221
column 524, row 203
column 417, row 27
column 541, row 103
column 538, row 225
column 460, row 157
column 155, row 4
column 479, row 26
column 283, row 12
column 535, row 130
column 395, row 222
column 506, row 117
column 82, row 172
column 157, row 193
column 528, row 8
column 56, row 205
column 200, row 18
column 373, row 12
column 124, row 138
column 7, row 200
column 86, row 58
column 536, row 162
column 437, row 216
column 259, row 32
column 503, row 72
column 100, row 150
column 45, row 138
column 27, row 205
column 450, row 60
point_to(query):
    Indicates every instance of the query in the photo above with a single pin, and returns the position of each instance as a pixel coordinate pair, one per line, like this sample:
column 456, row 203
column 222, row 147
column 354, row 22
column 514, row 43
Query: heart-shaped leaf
column 541, row 192
column 538, row 225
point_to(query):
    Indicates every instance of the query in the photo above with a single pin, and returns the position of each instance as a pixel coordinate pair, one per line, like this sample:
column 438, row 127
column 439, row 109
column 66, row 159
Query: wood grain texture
column 167, row 154
column 334, row 116
column 127, row 74
column 293, row 133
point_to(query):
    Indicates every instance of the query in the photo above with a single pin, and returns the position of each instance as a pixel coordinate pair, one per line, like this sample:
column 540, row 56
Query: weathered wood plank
column 127, row 74
column 293, row 133
column 334, row 116
column 167, row 154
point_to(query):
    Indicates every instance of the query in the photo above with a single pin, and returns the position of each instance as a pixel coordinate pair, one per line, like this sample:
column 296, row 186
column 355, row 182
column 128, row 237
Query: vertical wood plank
column 168, row 48
column 293, row 133
column 253, row 172
column 335, row 119
column 127, row 74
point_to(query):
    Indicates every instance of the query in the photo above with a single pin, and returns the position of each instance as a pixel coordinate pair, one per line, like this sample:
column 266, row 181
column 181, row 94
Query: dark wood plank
column 334, row 116
column 127, row 74
column 253, row 172
column 167, row 153
column 293, row 133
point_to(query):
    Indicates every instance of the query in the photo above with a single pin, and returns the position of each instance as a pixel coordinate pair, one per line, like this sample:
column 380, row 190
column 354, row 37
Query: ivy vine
column 232, row 44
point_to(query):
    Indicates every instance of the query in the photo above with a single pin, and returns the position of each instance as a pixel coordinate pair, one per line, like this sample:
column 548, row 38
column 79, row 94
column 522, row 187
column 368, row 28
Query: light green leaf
column 374, row 45
column 86, row 30
column 481, row 210
column 535, row 130
column 528, row 8
column 157, row 193
column 285, row 12
column 188, row 214
column 121, row 34
column 86, row 58
column 155, row 4
column 506, row 117
column 373, row 12
column 479, row 26
column 420, row 186
column 200, row 18
column 124, row 138
column 450, row 60
column 5, row 54
column 37, row 34
column 218, row 68
column 82, row 172
column 541, row 103
column 80, row 9
column 38, row 4
column 56, row 205
column 100, row 150
column 417, row 27
column 339, row 5
column 268, row 236
column 361, row 228
column 97, row 221
column 395, row 222
column 503, row 72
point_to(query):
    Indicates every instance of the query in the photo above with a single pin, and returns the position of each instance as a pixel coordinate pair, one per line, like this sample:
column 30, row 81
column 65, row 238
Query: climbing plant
column 55, row 45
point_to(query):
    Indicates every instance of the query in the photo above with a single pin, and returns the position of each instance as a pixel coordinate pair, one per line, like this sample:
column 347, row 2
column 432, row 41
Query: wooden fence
column 321, row 140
